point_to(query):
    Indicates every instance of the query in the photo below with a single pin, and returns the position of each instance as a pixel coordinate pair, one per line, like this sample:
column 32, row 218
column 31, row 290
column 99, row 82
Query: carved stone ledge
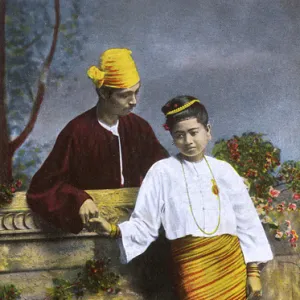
column 17, row 222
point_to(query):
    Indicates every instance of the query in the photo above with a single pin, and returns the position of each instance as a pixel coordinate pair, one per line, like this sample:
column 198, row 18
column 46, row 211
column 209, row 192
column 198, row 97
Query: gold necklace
column 215, row 190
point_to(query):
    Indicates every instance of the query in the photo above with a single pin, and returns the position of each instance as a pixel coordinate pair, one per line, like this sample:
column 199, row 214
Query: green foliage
column 9, row 292
column 253, row 158
column 94, row 278
column 290, row 174
column 7, row 191
column 27, row 159
column 62, row 290
column 96, row 275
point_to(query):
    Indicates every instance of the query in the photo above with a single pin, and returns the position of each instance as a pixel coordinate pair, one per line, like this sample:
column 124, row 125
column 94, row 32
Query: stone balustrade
column 32, row 252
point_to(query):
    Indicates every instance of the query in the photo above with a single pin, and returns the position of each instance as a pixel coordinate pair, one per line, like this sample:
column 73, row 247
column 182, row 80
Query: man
column 106, row 147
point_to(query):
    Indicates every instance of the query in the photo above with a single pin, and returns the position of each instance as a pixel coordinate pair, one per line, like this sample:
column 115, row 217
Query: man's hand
column 100, row 225
column 254, row 287
column 87, row 211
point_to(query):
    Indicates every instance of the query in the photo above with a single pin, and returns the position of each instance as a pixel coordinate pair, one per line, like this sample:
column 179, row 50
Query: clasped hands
column 91, row 219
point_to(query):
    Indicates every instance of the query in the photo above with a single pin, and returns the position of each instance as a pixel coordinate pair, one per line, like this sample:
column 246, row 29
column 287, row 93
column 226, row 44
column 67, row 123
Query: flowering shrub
column 290, row 174
column 253, row 158
column 95, row 277
column 9, row 292
column 257, row 161
column 7, row 192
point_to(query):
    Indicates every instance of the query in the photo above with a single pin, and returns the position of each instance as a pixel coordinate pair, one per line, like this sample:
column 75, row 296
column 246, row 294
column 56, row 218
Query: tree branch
column 34, row 40
column 29, row 89
column 16, row 143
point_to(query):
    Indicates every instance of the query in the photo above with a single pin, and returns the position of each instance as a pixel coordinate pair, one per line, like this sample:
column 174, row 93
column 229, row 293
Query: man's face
column 122, row 101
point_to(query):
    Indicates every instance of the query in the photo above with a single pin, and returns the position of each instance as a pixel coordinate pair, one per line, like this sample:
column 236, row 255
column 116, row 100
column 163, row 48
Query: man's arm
column 53, row 197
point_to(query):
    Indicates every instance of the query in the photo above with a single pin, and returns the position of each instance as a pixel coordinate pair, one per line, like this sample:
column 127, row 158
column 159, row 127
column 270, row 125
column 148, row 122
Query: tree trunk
column 5, row 153
column 8, row 147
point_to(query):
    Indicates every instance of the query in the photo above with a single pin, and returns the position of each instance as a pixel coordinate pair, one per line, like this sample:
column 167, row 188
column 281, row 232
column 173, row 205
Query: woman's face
column 191, row 138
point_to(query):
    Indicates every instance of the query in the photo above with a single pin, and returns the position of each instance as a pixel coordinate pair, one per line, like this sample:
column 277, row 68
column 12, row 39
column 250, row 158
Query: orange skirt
column 209, row 268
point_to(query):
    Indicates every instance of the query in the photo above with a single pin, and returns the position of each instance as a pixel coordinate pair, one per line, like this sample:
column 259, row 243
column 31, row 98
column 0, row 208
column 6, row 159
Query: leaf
column 273, row 225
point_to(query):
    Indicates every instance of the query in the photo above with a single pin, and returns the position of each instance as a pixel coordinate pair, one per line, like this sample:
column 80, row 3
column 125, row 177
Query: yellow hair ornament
column 96, row 75
column 181, row 108
column 117, row 69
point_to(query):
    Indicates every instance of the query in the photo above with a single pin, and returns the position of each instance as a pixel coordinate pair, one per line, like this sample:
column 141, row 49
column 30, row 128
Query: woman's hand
column 99, row 225
column 254, row 288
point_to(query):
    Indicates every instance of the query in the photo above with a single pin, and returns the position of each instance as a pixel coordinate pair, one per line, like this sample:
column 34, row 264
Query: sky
column 240, row 58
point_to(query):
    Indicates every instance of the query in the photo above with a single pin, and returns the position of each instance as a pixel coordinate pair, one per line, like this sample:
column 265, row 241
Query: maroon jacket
column 86, row 157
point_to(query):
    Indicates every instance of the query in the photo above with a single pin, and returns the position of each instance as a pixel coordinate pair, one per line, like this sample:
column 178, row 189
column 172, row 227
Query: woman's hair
column 195, row 110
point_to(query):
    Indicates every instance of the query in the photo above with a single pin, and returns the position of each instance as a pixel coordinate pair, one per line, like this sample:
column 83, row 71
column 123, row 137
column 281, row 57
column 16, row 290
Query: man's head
column 117, row 80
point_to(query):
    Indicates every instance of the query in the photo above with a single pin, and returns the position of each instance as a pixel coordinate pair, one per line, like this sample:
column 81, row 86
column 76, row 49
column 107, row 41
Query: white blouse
column 163, row 199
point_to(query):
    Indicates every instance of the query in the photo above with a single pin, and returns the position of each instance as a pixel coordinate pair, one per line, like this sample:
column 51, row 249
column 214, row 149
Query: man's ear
column 101, row 93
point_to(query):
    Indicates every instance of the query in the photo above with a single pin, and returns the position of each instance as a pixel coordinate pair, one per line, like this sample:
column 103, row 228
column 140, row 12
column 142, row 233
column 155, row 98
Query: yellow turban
column 117, row 69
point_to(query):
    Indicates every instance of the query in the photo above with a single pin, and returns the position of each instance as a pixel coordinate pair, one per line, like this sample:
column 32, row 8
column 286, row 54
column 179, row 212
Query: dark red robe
column 86, row 157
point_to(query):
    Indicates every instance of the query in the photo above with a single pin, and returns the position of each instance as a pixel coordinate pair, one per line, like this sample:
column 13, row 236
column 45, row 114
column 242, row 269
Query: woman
column 217, row 239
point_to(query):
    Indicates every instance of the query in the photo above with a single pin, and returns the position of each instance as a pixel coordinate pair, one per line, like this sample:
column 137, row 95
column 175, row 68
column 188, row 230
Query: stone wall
column 32, row 253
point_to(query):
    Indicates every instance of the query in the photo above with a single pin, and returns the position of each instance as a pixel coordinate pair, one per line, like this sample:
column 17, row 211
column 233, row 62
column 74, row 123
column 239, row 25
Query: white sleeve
column 253, row 239
column 143, row 226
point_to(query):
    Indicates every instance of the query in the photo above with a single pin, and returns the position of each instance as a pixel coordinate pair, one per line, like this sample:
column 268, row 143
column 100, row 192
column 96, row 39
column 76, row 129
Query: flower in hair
column 166, row 127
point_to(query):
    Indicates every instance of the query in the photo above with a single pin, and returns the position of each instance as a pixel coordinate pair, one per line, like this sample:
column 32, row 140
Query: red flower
column 166, row 127
column 18, row 183
column 234, row 146
column 273, row 193
column 296, row 196
column 292, row 206
column 12, row 189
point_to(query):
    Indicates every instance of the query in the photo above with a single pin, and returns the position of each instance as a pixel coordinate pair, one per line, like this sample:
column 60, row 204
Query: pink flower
column 288, row 223
column 273, row 193
column 12, row 189
column 296, row 196
column 278, row 234
column 292, row 206
column 270, row 200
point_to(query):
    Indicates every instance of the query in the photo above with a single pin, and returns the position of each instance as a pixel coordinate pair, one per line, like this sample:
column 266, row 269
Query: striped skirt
column 209, row 268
